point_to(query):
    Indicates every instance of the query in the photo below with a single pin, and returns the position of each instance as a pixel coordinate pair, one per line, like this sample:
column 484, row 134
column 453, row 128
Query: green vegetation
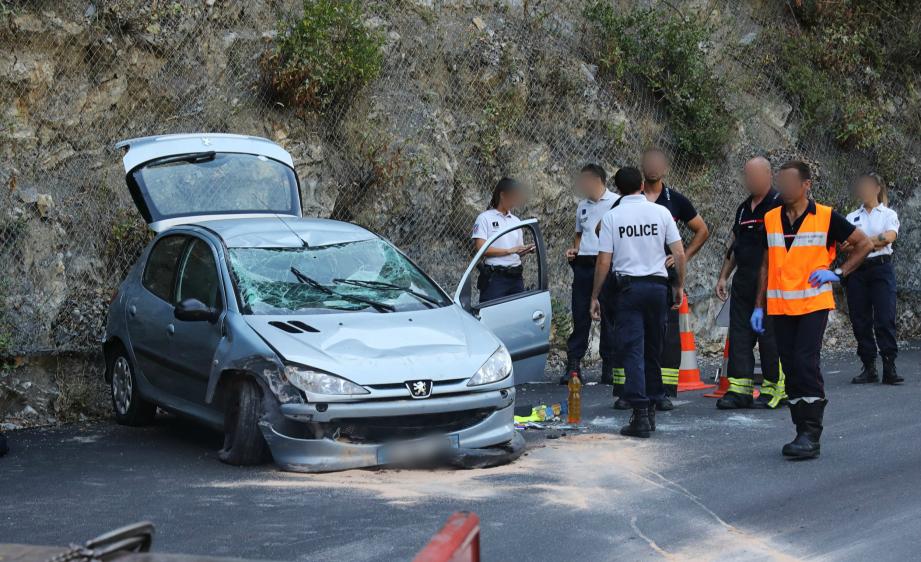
column 127, row 237
column 10, row 232
column 82, row 392
column 325, row 56
column 843, row 63
column 668, row 53
column 500, row 113
column 504, row 106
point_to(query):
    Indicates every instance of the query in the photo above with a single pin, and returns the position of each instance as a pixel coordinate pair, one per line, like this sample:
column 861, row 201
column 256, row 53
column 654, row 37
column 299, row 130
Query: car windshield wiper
column 192, row 158
column 379, row 306
column 384, row 285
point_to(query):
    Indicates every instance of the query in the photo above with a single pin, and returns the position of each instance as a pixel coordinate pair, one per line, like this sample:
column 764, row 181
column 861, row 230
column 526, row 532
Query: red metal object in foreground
column 457, row 541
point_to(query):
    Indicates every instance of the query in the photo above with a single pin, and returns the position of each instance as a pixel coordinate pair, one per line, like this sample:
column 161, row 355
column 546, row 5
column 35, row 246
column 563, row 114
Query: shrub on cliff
column 667, row 52
column 844, row 61
column 322, row 58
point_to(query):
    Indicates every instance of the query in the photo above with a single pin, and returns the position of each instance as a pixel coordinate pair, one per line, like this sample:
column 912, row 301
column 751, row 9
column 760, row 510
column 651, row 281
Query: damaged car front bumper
column 464, row 430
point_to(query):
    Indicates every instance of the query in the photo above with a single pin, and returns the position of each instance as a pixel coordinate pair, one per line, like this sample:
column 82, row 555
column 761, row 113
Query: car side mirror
column 193, row 310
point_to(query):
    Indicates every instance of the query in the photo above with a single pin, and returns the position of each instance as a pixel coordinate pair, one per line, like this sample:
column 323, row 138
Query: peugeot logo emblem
column 419, row 389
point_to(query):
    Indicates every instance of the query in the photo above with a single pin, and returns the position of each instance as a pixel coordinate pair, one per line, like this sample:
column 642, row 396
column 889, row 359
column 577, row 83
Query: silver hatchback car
column 314, row 340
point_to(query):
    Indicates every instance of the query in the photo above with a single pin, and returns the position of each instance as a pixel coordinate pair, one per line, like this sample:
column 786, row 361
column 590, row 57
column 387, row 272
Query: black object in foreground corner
column 130, row 543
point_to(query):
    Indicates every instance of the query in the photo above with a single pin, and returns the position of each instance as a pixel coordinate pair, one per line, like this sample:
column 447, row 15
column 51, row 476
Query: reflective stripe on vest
column 788, row 290
column 805, row 293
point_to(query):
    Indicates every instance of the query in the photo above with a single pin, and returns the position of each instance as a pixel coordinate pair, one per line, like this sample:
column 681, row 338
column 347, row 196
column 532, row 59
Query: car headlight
column 496, row 368
column 316, row 382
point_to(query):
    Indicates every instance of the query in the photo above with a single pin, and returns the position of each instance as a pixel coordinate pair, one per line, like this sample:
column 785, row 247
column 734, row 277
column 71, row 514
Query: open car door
column 521, row 321
column 176, row 179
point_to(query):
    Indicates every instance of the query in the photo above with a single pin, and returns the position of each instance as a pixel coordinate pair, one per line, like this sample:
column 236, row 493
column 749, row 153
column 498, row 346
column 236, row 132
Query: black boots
column 734, row 401
column 807, row 417
column 890, row 376
column 665, row 405
column 868, row 374
column 639, row 425
column 621, row 404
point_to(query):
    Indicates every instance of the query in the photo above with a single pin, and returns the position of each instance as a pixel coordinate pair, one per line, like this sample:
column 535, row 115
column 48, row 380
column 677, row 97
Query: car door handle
column 170, row 329
column 539, row 317
column 132, row 310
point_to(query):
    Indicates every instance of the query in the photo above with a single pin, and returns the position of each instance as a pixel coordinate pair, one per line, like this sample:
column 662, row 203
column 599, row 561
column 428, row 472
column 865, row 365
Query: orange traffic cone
column 721, row 374
column 688, row 371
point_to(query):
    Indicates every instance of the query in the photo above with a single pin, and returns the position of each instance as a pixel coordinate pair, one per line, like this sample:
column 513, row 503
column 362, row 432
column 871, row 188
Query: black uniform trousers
column 494, row 285
column 799, row 343
column 583, row 279
column 871, row 304
column 640, row 309
column 742, row 338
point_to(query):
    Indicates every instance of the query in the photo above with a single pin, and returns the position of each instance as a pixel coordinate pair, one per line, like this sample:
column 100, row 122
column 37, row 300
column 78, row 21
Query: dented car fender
column 242, row 350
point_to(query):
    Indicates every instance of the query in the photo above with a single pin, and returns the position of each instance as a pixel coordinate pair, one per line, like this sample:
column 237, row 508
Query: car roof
column 283, row 232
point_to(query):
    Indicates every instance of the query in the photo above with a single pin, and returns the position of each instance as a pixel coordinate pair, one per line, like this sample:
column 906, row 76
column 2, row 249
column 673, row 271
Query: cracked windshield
column 214, row 183
column 369, row 275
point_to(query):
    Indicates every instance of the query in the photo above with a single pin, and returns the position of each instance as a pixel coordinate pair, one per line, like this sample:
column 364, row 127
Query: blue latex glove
column 757, row 320
column 820, row 277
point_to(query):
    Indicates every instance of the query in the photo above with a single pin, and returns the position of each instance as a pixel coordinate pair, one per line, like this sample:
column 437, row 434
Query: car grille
column 408, row 427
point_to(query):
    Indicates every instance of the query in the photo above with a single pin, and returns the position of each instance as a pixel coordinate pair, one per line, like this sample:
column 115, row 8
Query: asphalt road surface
column 709, row 485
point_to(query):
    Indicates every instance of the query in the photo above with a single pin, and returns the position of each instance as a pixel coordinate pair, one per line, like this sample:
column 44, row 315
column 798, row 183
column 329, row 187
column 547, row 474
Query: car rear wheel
column 130, row 408
column 243, row 441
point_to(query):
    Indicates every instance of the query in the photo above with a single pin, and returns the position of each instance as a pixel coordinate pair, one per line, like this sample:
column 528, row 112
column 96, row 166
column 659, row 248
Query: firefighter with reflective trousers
column 746, row 252
column 796, row 285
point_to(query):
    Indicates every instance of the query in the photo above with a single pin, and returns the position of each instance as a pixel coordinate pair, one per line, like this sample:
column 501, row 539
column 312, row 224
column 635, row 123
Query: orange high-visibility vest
column 788, row 289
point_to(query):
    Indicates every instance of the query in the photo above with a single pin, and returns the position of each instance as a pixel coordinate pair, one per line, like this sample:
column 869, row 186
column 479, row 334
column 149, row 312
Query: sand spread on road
column 592, row 472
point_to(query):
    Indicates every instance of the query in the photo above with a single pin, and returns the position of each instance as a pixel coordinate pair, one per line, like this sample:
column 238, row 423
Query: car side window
column 160, row 270
column 198, row 275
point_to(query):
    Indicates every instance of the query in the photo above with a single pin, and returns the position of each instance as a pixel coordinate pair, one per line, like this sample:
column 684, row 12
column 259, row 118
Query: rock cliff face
column 469, row 91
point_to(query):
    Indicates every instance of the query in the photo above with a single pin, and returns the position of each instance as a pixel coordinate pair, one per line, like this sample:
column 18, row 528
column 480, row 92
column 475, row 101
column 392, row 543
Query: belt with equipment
column 622, row 281
column 646, row 278
column 875, row 261
column 506, row 270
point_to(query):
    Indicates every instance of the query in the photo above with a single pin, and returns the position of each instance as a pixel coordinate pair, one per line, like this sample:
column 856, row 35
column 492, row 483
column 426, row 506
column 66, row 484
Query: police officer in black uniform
column 745, row 256
column 631, row 269
column 871, row 290
column 592, row 184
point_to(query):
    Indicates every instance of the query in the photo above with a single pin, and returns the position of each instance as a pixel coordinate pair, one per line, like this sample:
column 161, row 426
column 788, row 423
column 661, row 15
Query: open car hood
column 178, row 179
column 370, row 348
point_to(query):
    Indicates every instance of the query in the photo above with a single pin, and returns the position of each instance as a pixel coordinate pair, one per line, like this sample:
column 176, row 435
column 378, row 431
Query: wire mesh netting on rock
column 464, row 93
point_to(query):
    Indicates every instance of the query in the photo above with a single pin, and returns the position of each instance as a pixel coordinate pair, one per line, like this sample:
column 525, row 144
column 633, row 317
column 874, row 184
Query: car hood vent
column 303, row 326
column 293, row 327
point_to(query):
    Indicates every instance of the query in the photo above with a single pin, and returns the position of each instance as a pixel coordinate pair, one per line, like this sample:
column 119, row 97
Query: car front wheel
column 130, row 408
column 243, row 441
